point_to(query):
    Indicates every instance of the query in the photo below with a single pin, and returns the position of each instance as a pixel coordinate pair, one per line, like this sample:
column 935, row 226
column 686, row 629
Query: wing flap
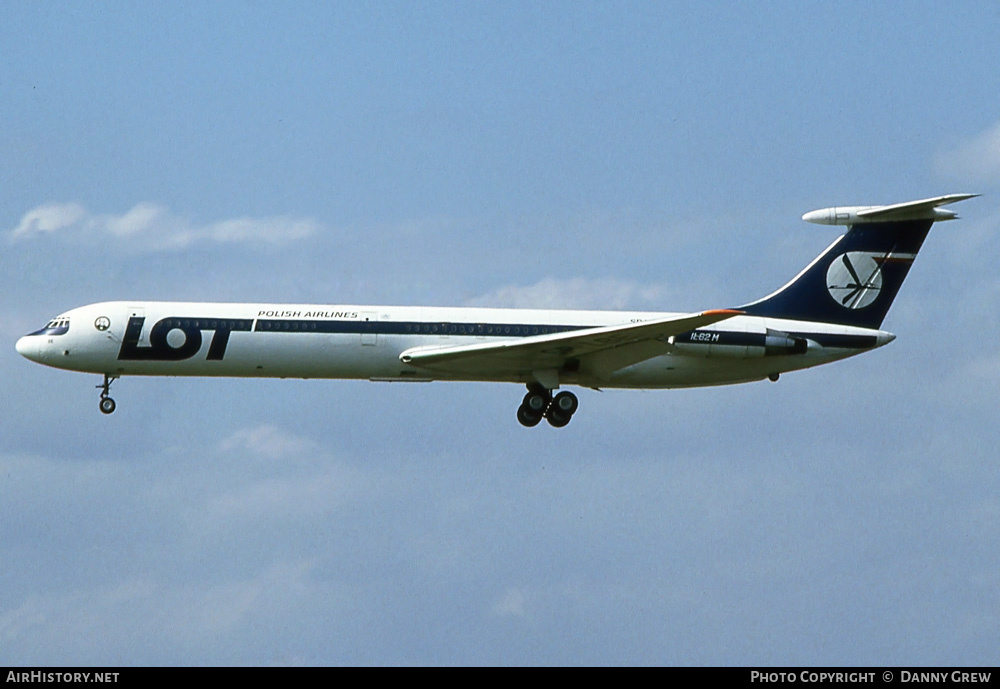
column 552, row 351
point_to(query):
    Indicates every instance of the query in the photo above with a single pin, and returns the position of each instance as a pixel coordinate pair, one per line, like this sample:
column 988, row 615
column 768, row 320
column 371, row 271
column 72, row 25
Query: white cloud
column 278, row 229
column 47, row 218
column 976, row 159
column 511, row 604
column 267, row 441
column 202, row 613
column 576, row 293
column 151, row 227
column 285, row 476
column 85, row 620
column 141, row 218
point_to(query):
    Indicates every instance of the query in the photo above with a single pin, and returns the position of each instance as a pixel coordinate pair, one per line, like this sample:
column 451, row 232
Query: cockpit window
column 57, row 326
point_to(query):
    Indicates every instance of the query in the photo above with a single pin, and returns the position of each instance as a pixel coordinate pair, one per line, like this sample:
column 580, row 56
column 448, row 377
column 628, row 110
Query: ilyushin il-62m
column 831, row 310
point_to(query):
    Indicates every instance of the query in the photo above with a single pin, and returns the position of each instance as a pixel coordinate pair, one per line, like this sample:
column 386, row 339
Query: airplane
column 831, row 310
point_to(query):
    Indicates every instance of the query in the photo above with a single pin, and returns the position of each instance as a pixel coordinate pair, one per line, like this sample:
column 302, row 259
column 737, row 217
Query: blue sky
column 599, row 155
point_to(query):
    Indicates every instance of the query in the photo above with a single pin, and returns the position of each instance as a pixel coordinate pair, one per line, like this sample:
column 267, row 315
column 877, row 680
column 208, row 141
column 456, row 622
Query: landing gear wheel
column 557, row 419
column 561, row 410
column 534, row 406
column 527, row 417
column 566, row 403
column 537, row 401
column 107, row 404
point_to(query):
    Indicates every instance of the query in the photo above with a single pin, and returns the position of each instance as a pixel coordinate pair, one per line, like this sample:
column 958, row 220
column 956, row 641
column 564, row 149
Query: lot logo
column 178, row 338
column 855, row 278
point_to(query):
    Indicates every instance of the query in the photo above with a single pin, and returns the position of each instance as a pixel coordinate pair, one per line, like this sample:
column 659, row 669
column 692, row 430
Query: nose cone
column 27, row 347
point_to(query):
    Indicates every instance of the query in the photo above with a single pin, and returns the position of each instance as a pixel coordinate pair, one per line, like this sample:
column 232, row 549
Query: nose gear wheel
column 106, row 404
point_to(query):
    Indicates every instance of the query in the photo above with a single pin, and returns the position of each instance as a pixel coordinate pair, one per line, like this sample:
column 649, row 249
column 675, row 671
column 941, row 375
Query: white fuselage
column 366, row 342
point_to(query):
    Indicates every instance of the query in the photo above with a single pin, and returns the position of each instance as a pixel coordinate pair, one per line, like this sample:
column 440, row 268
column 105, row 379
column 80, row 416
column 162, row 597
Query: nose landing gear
column 107, row 405
column 539, row 403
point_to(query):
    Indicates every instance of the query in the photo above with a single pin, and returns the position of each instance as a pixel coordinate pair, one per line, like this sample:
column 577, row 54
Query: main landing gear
column 539, row 403
column 107, row 404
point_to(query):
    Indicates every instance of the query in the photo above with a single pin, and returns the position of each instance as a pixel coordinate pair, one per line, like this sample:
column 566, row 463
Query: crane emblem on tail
column 845, row 282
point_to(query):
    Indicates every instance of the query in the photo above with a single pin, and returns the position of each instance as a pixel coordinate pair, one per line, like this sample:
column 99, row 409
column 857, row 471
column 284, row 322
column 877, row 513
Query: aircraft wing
column 630, row 343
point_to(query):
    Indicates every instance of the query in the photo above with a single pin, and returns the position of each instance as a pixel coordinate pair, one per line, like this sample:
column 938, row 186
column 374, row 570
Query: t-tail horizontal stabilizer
column 925, row 209
column 855, row 280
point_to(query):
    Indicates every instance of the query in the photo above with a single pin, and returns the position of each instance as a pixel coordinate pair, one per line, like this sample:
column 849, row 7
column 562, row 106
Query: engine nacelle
column 777, row 343
column 741, row 345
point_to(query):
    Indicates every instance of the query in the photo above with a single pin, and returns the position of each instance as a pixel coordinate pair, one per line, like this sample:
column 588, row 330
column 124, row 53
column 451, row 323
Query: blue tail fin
column 856, row 279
